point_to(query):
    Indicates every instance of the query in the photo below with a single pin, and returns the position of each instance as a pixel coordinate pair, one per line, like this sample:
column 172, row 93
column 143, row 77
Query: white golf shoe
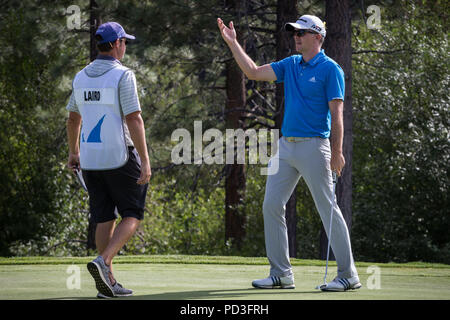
column 342, row 284
column 273, row 282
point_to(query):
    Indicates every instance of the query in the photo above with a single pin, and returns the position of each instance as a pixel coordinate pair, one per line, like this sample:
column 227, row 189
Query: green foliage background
column 401, row 128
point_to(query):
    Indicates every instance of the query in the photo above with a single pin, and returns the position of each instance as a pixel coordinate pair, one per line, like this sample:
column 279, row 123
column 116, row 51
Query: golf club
column 79, row 176
column 324, row 284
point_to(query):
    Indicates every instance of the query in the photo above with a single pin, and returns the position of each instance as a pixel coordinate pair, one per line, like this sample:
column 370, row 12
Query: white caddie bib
column 102, row 141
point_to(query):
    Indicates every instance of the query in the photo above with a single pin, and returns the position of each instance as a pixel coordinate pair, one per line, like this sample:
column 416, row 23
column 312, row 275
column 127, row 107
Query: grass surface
column 203, row 277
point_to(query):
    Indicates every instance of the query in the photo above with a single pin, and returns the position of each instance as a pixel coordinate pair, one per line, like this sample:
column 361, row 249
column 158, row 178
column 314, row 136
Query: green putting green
column 202, row 277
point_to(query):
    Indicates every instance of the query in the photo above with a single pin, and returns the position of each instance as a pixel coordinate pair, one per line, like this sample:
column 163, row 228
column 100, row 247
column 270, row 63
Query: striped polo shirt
column 129, row 100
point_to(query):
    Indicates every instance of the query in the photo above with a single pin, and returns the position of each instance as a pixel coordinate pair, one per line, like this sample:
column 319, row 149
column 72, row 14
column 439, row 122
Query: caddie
column 106, row 137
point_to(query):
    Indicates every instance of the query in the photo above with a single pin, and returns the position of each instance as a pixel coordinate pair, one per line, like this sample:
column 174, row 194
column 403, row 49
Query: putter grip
column 334, row 174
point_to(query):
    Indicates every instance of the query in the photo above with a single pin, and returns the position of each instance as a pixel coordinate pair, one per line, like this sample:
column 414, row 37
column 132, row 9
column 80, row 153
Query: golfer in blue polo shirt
column 314, row 89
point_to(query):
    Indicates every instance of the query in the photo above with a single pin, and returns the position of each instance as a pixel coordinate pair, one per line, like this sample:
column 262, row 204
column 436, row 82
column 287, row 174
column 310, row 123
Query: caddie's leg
column 103, row 234
column 279, row 187
column 318, row 177
column 123, row 232
column 129, row 199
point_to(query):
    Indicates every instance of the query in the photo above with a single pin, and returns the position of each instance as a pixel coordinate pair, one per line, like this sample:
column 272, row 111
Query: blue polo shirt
column 308, row 87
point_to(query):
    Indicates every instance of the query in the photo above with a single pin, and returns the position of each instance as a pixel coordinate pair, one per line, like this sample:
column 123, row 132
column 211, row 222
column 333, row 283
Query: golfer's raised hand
column 228, row 34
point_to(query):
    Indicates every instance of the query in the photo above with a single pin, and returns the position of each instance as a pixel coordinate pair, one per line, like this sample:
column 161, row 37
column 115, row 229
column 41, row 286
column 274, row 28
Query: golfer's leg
column 318, row 177
column 123, row 232
column 279, row 188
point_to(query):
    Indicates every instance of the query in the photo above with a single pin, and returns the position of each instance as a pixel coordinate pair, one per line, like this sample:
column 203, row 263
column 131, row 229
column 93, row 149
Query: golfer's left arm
column 337, row 135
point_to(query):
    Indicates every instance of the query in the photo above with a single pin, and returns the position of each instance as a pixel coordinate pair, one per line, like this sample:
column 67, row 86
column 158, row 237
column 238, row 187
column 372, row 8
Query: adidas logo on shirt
column 313, row 79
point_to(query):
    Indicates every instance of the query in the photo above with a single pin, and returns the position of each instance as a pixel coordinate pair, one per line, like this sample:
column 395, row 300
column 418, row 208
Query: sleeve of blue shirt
column 280, row 68
column 335, row 83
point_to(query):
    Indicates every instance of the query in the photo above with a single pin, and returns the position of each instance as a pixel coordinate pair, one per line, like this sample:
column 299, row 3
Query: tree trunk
column 338, row 46
column 94, row 23
column 286, row 12
column 235, row 173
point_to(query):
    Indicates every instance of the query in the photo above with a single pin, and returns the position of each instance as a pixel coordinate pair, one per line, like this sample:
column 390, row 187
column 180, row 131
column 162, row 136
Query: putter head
column 321, row 286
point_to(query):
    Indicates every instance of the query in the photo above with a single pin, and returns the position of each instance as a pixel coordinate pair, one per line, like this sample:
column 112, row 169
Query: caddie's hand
column 73, row 163
column 146, row 173
column 228, row 34
column 337, row 162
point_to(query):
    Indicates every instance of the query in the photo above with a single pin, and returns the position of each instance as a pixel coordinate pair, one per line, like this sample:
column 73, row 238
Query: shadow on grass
column 218, row 294
column 208, row 294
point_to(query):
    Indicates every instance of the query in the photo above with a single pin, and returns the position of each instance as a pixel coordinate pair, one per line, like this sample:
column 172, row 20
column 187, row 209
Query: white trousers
column 309, row 159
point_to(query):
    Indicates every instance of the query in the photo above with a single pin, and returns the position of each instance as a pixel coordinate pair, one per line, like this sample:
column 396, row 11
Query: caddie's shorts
column 117, row 188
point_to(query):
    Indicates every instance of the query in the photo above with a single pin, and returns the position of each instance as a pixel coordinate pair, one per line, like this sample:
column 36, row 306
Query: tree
column 94, row 22
column 235, row 173
column 286, row 12
column 400, row 98
column 34, row 188
column 400, row 126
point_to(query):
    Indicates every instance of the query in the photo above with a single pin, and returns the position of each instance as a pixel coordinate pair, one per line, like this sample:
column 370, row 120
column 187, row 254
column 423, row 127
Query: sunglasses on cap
column 301, row 32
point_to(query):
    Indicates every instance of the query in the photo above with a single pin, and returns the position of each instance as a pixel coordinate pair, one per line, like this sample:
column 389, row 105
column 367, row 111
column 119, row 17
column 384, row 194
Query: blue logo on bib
column 94, row 136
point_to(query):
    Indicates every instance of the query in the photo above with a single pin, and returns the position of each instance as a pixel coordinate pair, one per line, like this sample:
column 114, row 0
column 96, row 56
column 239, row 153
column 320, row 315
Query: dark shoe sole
column 274, row 287
column 100, row 283
column 101, row 296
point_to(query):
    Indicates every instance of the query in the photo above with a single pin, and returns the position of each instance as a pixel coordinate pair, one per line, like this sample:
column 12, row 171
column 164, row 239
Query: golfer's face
column 304, row 42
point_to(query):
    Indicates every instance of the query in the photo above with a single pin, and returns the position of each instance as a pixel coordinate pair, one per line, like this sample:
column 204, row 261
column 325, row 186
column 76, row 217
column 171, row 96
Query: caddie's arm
column 247, row 65
column 337, row 162
column 73, row 126
column 137, row 132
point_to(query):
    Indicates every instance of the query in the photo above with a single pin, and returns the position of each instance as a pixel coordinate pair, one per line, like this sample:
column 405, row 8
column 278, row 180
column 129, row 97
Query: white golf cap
column 307, row 22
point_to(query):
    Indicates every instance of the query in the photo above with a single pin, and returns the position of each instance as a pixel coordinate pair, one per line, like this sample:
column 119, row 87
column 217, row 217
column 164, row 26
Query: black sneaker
column 100, row 272
column 120, row 291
